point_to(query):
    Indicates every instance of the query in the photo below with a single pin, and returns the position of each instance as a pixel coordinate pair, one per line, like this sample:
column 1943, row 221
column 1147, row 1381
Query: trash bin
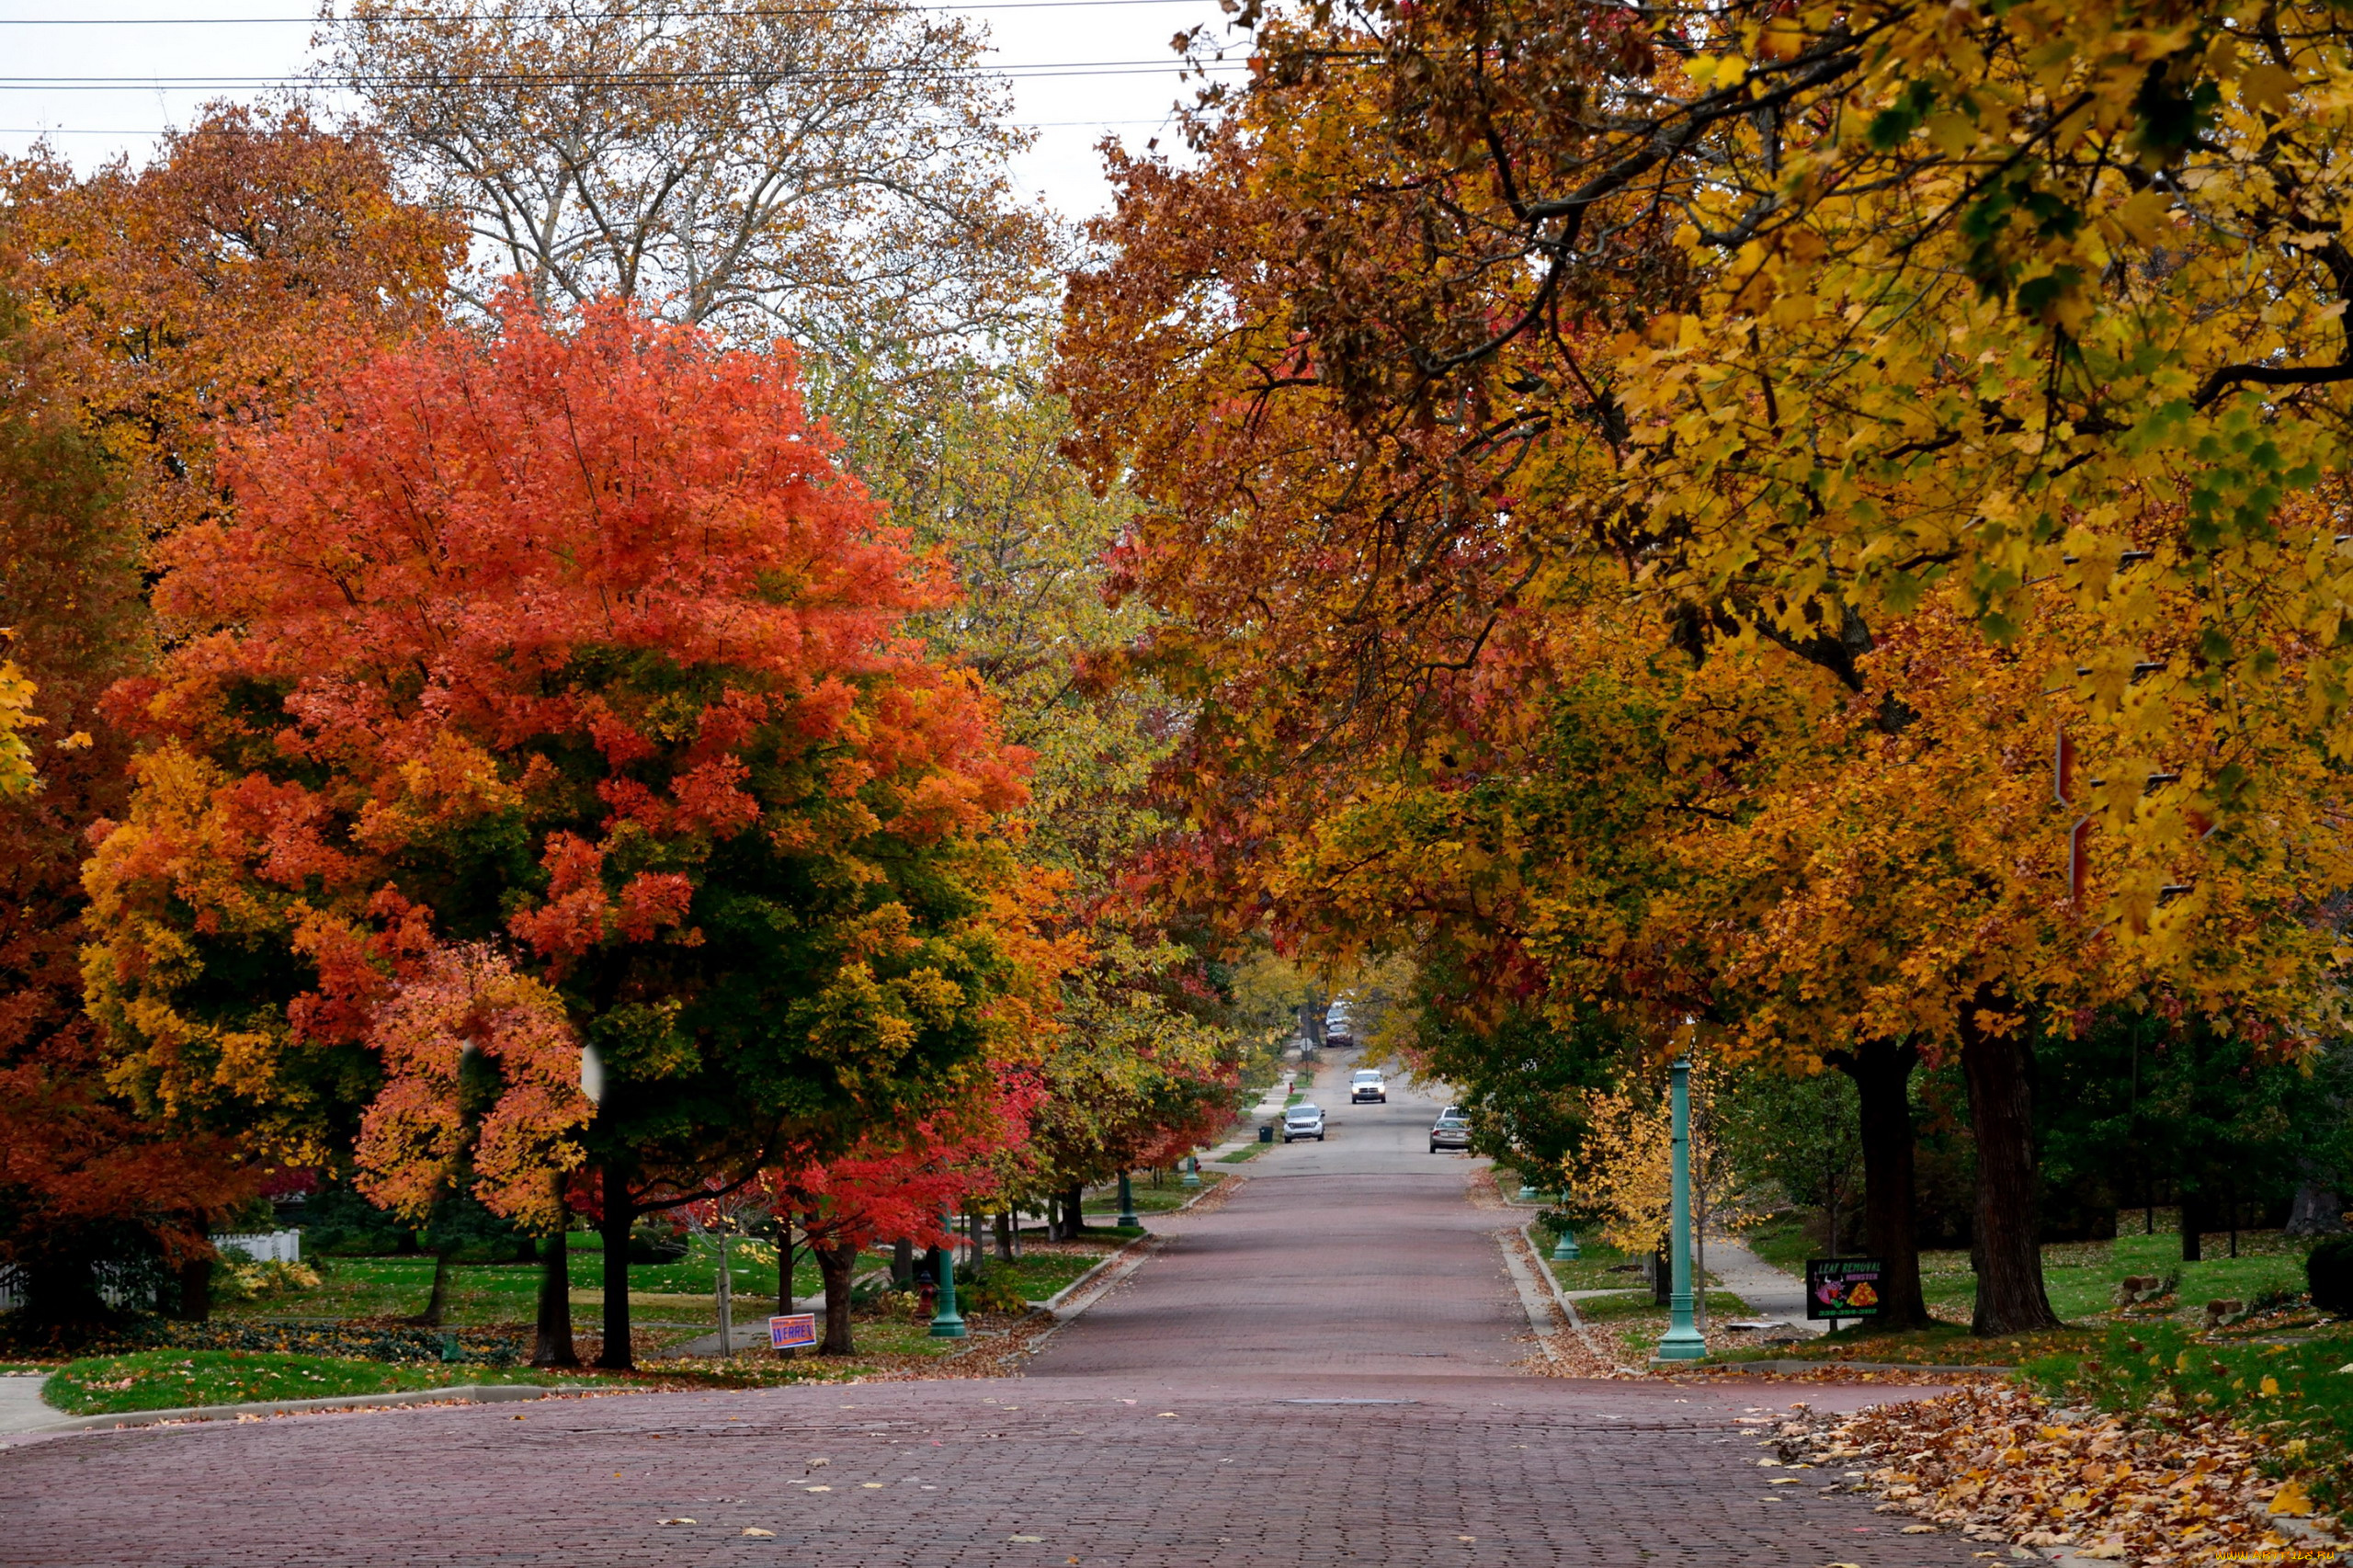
column 1267, row 1133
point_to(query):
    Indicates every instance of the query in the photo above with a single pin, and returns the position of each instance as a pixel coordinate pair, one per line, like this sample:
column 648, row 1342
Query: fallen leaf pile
column 1998, row 1465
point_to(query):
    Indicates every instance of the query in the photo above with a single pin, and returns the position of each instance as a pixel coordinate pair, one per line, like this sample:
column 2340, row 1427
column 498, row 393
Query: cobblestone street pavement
column 1317, row 1371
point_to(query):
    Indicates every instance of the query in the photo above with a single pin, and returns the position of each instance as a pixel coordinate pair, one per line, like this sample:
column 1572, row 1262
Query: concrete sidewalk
column 21, row 1409
column 1771, row 1293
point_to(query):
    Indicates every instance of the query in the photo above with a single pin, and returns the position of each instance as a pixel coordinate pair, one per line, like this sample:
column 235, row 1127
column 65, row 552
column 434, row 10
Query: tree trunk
column 1881, row 1071
column 2193, row 1226
column 1005, row 1235
column 2316, row 1211
column 902, row 1264
column 835, row 1265
column 196, row 1289
column 615, row 1356
column 551, row 1337
column 1662, row 1279
column 437, row 1303
column 1075, row 1209
column 726, row 1293
column 2000, row 1070
column 784, row 1255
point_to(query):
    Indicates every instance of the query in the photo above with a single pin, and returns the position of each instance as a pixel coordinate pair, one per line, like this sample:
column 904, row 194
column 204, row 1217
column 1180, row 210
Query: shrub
column 2329, row 1271
column 647, row 1245
column 992, row 1293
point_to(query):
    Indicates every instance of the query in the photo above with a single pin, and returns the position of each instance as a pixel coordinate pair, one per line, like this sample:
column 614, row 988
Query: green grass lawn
column 1597, row 1267
column 482, row 1294
column 1038, row 1275
column 164, row 1380
column 1640, row 1324
column 1171, row 1194
column 2299, row 1394
column 1940, row 1345
column 1247, row 1152
column 2081, row 1276
column 1784, row 1241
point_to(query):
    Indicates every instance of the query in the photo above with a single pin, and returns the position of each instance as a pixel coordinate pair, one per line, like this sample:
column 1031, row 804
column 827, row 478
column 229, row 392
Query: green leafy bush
column 992, row 1293
column 2329, row 1269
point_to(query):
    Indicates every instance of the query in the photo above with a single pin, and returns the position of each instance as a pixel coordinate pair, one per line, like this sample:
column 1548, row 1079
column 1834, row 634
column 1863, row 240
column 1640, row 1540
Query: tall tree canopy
column 82, row 1178
column 203, row 288
column 1809, row 414
column 835, row 172
column 576, row 643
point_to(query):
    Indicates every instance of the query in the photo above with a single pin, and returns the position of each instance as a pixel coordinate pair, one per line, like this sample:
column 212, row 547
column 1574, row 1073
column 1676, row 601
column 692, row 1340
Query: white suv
column 1368, row 1085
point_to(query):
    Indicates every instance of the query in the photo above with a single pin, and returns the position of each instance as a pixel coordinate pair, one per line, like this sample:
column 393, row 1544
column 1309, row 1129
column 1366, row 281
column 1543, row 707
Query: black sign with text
column 1842, row 1287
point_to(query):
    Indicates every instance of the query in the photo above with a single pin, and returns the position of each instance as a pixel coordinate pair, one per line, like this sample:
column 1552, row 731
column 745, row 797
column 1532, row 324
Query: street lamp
column 1565, row 1249
column 1127, row 1203
column 947, row 1323
column 1192, row 1171
column 1683, row 1342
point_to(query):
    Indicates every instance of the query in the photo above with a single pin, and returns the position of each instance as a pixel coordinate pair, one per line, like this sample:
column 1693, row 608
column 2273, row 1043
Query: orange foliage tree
column 82, row 1179
column 575, row 644
column 207, row 287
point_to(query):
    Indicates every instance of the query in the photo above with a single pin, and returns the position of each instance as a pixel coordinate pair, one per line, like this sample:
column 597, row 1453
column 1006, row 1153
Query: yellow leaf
column 2290, row 1499
column 2268, row 1387
column 2267, row 86
column 755, row 1529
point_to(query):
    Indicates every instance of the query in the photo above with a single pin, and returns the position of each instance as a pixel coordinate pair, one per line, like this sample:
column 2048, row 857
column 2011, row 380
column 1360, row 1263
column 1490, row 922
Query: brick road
column 1209, row 1411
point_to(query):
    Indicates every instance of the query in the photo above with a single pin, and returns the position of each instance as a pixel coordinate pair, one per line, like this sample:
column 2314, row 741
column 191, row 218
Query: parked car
column 1368, row 1085
column 1339, row 1029
column 1303, row 1121
column 1450, row 1130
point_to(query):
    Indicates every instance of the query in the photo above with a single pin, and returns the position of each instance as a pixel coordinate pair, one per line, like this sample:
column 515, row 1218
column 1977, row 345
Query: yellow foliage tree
column 1624, row 1170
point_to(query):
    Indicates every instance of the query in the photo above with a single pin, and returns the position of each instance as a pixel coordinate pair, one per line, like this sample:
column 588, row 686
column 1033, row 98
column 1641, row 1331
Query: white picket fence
column 265, row 1247
column 261, row 1247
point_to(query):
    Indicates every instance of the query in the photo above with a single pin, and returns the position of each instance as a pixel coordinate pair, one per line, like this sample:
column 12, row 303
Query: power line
column 601, row 78
column 160, row 129
column 755, row 11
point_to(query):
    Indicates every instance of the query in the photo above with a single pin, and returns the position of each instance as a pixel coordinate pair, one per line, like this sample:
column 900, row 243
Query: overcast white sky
column 149, row 41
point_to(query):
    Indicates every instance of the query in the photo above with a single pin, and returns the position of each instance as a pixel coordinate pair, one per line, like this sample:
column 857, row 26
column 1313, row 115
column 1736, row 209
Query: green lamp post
column 1192, row 1171
column 947, row 1323
column 1565, row 1249
column 1127, row 1203
column 1527, row 1194
column 1683, row 1342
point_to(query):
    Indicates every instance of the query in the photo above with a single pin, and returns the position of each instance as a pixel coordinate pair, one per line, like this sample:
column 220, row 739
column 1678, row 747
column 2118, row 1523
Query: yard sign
column 1843, row 1288
column 796, row 1332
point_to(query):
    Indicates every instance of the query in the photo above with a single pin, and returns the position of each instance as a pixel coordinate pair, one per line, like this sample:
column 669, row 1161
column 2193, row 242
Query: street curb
column 1800, row 1364
column 1544, row 1268
column 463, row 1393
column 1103, row 1276
column 1544, row 1271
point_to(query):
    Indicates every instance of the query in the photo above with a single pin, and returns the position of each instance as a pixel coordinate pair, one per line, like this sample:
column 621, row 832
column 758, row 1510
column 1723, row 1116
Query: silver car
column 1450, row 1130
column 1303, row 1121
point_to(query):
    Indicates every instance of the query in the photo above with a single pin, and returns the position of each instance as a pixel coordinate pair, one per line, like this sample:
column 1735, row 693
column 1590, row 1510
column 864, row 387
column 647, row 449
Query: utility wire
column 602, row 78
column 756, row 11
